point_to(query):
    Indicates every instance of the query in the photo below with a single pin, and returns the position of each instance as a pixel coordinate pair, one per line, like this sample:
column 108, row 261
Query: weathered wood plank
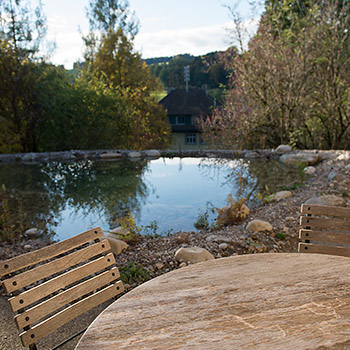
column 51, row 305
column 42, row 329
column 325, row 223
column 62, row 281
column 32, row 258
column 55, row 266
column 325, row 210
column 324, row 236
column 323, row 249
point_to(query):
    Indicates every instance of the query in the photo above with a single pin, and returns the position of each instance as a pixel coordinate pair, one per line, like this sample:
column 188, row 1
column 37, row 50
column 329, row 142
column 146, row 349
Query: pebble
column 223, row 246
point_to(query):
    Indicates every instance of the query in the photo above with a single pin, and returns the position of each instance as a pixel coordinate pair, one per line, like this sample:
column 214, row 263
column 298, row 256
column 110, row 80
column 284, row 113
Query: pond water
column 68, row 198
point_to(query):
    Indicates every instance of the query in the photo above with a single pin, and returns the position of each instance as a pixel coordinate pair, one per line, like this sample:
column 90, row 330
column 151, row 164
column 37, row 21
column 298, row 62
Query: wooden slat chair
column 53, row 285
column 324, row 230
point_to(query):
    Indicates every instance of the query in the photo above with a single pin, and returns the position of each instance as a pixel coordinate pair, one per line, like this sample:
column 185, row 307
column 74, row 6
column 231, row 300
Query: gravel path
column 157, row 254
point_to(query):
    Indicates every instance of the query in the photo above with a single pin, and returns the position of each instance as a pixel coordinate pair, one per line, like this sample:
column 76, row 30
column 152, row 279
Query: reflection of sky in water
column 178, row 191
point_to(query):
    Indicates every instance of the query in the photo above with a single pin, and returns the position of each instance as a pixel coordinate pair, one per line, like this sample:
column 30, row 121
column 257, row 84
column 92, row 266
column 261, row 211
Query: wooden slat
column 324, row 236
column 32, row 258
column 323, row 249
column 62, row 281
column 324, row 223
column 51, row 305
column 325, row 210
column 51, row 324
column 55, row 266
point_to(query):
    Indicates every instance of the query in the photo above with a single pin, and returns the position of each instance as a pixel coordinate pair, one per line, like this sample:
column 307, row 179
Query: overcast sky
column 167, row 27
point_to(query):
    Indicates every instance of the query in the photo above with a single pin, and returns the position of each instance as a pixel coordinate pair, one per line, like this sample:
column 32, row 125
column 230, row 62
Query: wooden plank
column 325, row 210
column 324, row 236
column 325, row 223
column 55, row 266
column 32, row 258
column 51, row 305
column 323, row 249
column 51, row 324
column 62, row 281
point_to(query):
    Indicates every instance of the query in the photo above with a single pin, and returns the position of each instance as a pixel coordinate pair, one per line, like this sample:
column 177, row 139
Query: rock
column 218, row 239
column 251, row 155
column 283, row 149
column 330, row 199
column 183, row 264
column 333, row 175
column 183, row 238
column 159, row 266
column 295, row 159
column 32, row 233
column 27, row 247
column 290, row 218
column 111, row 155
column 231, row 214
column 223, row 246
column 134, row 155
column 117, row 245
column 278, row 196
column 193, row 255
column 119, row 231
column 29, row 157
column 152, row 153
column 310, row 170
column 344, row 156
column 259, row 225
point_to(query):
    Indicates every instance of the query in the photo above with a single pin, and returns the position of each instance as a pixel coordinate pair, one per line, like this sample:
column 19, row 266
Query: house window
column 190, row 139
column 180, row 121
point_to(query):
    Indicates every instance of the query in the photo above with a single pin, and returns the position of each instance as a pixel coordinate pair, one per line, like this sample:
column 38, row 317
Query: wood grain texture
column 323, row 249
column 255, row 301
column 42, row 329
column 32, row 258
column 325, row 210
column 324, row 236
column 325, row 223
column 51, row 305
column 37, row 293
column 55, row 266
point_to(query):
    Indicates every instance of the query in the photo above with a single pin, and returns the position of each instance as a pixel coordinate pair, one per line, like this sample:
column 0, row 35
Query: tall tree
column 21, row 32
column 112, row 60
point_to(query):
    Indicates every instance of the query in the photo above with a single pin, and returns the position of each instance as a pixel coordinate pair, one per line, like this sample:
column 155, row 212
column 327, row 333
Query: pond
column 164, row 195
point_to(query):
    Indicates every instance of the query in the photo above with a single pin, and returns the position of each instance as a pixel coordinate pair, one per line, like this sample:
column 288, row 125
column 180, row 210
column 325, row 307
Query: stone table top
column 258, row 301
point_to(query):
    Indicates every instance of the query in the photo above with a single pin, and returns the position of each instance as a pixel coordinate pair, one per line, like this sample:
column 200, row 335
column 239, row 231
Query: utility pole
column 187, row 76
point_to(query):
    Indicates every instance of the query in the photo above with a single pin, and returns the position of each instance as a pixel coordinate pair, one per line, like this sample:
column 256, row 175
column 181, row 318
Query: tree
column 113, row 61
column 291, row 85
column 21, row 32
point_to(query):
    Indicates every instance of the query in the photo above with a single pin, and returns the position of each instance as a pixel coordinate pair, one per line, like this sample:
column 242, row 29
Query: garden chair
column 324, row 230
column 51, row 286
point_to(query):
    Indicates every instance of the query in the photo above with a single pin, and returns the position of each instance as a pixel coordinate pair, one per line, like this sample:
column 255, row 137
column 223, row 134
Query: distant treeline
column 205, row 71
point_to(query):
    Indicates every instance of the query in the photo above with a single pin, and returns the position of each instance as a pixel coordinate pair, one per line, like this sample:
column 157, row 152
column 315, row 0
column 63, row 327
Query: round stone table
column 260, row 301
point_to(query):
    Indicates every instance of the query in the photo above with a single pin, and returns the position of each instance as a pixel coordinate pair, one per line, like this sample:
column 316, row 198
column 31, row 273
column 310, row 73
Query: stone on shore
column 258, row 226
column 193, row 255
column 278, row 196
column 283, row 149
column 295, row 159
column 228, row 215
column 134, row 155
column 117, row 245
column 32, row 233
column 152, row 153
column 310, row 170
column 111, row 155
column 330, row 200
column 29, row 157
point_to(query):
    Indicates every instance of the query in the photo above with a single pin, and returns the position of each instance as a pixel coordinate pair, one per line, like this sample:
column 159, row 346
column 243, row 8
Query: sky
column 167, row 27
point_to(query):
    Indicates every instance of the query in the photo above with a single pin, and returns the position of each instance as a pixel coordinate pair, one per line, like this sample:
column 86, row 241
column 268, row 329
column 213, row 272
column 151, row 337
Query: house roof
column 194, row 102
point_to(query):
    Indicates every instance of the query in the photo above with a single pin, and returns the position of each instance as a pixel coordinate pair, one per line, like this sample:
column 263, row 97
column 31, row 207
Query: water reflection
column 80, row 195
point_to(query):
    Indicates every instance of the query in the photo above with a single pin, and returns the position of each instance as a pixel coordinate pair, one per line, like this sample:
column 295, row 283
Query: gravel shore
column 157, row 255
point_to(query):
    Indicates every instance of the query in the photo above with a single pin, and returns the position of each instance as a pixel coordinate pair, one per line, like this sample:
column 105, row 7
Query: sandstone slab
column 295, row 159
column 117, row 245
column 330, row 200
column 258, row 226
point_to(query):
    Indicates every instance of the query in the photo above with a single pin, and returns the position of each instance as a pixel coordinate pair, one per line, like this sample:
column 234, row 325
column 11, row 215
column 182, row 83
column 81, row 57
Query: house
column 183, row 108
